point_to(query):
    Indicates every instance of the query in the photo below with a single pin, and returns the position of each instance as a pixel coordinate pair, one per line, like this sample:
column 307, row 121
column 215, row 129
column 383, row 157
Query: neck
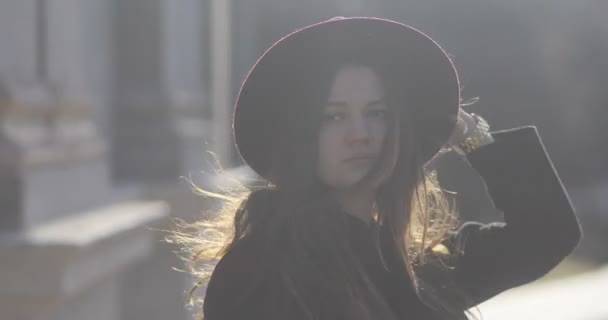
column 358, row 202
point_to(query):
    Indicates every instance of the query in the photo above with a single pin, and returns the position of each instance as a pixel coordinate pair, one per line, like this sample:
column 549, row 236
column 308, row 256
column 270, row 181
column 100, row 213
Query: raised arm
column 540, row 227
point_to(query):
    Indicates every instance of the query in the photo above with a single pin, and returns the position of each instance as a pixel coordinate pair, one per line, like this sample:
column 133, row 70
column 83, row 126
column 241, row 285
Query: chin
column 347, row 182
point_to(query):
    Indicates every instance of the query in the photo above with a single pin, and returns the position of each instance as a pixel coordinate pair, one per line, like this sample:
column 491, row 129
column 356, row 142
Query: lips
column 360, row 158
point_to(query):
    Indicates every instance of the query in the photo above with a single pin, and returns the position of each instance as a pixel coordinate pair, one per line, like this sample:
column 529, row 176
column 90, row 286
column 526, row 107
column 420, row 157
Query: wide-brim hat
column 410, row 54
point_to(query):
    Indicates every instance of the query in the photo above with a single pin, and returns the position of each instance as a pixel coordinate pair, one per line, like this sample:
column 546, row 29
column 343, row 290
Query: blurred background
column 106, row 105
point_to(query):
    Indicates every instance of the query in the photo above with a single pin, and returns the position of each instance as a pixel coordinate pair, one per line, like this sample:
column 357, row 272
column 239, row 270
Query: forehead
column 356, row 83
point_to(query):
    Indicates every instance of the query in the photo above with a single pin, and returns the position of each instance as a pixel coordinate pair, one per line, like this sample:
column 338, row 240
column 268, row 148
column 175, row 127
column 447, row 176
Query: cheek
column 328, row 152
column 378, row 131
column 326, row 142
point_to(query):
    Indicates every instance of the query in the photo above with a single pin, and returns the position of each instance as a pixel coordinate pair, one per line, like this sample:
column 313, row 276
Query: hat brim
column 407, row 49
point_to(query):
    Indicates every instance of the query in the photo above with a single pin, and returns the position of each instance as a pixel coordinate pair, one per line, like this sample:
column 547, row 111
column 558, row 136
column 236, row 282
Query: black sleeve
column 540, row 227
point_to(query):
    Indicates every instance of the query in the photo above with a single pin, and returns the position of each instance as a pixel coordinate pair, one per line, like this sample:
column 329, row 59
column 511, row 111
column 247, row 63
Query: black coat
column 540, row 230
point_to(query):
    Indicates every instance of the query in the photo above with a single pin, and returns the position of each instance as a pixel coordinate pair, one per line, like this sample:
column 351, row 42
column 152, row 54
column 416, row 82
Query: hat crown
column 409, row 54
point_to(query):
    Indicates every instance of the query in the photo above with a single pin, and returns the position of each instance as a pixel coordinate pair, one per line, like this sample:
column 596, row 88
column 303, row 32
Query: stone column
column 221, row 70
column 144, row 135
column 10, row 180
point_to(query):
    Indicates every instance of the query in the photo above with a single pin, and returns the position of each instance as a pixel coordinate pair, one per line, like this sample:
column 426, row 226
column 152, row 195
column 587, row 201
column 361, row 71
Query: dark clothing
column 540, row 230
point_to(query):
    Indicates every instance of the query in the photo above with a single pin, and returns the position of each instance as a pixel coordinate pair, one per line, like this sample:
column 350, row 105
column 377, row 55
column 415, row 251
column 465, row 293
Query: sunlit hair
column 410, row 204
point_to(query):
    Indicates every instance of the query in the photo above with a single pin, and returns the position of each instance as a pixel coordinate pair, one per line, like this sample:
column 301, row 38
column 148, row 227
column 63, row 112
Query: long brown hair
column 295, row 216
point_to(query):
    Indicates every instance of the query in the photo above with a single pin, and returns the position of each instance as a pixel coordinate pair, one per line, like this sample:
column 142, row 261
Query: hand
column 464, row 125
column 461, row 131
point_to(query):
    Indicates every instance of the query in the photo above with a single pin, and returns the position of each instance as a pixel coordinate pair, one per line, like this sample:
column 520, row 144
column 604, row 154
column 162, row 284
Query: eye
column 377, row 113
column 333, row 116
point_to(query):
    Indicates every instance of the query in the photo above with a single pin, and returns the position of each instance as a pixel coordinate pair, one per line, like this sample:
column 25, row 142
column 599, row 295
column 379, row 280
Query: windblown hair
column 295, row 214
column 242, row 213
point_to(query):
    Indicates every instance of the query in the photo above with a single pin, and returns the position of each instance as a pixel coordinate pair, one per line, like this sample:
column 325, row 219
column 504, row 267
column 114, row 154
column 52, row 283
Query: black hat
column 410, row 54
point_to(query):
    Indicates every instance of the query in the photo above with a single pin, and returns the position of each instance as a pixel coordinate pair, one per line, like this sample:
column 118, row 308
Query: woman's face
column 353, row 129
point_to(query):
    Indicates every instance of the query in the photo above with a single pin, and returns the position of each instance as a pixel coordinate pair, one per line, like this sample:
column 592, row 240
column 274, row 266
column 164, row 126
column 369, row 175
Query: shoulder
column 234, row 262
column 237, row 276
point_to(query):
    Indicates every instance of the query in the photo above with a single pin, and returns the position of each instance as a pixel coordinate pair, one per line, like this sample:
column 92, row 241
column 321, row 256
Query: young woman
column 342, row 121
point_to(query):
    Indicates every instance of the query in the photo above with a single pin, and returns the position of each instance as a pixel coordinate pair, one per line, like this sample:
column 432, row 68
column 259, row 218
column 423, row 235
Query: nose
column 359, row 131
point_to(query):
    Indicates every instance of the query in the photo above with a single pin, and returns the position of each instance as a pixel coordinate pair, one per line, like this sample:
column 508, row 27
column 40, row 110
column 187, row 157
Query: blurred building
column 102, row 109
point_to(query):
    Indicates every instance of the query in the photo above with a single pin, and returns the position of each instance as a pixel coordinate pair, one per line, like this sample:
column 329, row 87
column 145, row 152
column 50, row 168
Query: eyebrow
column 344, row 104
